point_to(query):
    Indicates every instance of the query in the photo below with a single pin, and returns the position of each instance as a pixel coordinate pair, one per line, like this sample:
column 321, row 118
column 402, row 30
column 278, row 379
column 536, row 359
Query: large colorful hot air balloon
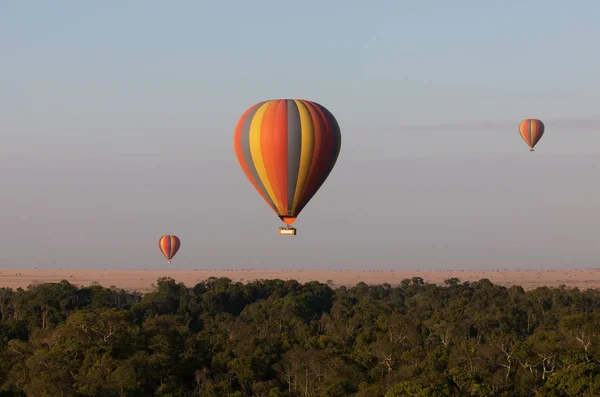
column 531, row 131
column 169, row 245
column 287, row 149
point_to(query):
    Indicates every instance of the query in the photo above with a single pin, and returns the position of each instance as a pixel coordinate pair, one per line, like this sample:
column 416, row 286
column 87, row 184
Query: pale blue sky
column 117, row 123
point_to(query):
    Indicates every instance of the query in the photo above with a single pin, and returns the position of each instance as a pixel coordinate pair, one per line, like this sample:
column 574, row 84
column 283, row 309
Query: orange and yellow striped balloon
column 169, row 245
column 531, row 131
column 287, row 149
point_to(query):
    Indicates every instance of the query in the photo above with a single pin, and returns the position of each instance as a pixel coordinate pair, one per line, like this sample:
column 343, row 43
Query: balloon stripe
column 255, row 150
column 333, row 147
column 245, row 158
column 337, row 139
column 322, row 150
column 280, row 153
column 539, row 131
column 166, row 247
column 266, row 143
column 525, row 132
column 174, row 246
column 331, row 156
column 294, row 136
column 306, row 154
column 522, row 131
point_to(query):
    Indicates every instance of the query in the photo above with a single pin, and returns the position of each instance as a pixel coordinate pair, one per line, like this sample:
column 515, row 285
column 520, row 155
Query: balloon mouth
column 288, row 220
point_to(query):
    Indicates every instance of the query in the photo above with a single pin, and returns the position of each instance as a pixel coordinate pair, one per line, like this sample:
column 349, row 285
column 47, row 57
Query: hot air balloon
column 169, row 245
column 531, row 131
column 287, row 149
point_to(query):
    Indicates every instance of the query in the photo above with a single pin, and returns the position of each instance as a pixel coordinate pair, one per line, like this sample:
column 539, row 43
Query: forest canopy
column 276, row 338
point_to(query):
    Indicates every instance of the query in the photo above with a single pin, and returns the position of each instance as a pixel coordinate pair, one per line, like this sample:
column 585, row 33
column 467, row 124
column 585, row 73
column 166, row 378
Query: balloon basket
column 531, row 150
column 287, row 231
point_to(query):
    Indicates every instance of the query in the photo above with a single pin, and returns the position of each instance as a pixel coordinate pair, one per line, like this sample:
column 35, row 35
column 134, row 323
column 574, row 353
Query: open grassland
column 143, row 280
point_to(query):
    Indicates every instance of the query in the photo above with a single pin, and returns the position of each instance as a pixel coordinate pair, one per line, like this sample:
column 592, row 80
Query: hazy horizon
column 117, row 124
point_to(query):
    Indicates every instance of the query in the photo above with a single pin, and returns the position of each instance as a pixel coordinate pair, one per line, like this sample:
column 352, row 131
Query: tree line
column 275, row 338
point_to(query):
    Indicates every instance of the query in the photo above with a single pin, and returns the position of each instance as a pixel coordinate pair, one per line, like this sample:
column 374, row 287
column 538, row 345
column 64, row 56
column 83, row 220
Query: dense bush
column 276, row 338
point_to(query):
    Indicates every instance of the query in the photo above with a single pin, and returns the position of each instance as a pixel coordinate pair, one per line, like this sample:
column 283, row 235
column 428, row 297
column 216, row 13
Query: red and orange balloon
column 531, row 131
column 169, row 245
column 287, row 149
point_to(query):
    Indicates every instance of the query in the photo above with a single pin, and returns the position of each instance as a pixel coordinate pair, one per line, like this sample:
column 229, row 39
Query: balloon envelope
column 531, row 131
column 169, row 245
column 287, row 149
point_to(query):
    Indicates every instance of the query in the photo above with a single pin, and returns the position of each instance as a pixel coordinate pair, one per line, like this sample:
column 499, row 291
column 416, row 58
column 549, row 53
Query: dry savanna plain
column 144, row 280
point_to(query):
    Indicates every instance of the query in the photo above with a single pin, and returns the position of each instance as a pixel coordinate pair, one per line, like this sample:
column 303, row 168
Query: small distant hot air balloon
column 287, row 149
column 169, row 245
column 531, row 131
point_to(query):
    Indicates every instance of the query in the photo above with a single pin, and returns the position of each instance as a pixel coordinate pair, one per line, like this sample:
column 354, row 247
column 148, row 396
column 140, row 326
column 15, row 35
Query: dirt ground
column 143, row 280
